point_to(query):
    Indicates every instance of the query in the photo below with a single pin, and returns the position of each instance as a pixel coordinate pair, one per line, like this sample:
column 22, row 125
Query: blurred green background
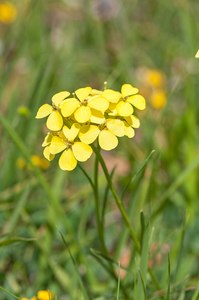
column 51, row 46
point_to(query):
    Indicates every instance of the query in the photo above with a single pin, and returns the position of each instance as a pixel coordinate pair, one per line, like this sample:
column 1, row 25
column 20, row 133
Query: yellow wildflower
column 55, row 119
column 73, row 149
column 82, row 105
column 197, row 54
column 123, row 101
column 45, row 295
column 158, row 98
column 105, row 132
column 40, row 162
column 155, row 77
column 8, row 12
column 46, row 143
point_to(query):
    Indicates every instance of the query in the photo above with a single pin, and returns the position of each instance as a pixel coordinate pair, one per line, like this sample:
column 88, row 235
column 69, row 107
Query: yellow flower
column 8, row 12
column 73, row 150
column 46, row 144
column 158, row 98
column 105, row 132
column 197, row 54
column 123, row 101
column 82, row 105
column 45, row 295
column 40, row 162
column 55, row 119
column 155, row 77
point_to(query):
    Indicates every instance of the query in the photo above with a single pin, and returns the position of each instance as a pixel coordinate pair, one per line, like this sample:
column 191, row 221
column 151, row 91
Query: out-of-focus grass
column 60, row 45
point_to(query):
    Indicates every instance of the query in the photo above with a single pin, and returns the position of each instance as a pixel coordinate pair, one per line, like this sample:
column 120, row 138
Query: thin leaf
column 10, row 293
column 136, row 174
column 118, row 285
column 14, row 240
column 143, row 286
column 108, row 259
column 169, row 279
column 86, row 297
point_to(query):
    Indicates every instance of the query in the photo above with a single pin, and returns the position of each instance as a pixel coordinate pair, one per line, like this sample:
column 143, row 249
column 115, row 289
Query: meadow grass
column 144, row 224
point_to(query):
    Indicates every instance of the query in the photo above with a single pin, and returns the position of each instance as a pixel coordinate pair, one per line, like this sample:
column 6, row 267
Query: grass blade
column 136, row 174
column 169, row 279
column 86, row 297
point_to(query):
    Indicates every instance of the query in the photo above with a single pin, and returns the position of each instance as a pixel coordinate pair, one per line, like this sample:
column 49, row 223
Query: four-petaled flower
column 55, row 119
column 122, row 101
column 82, row 105
column 73, row 150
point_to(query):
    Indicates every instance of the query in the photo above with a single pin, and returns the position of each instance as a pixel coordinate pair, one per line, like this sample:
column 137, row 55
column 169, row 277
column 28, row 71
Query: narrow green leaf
column 108, row 259
column 14, row 240
column 169, row 278
column 86, row 297
column 136, row 174
column 196, row 293
column 10, row 293
column 143, row 285
column 118, row 285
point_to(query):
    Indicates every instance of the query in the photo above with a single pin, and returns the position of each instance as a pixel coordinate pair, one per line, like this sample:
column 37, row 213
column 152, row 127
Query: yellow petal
column 107, row 140
column 47, row 140
column 81, row 151
column 67, row 161
column 45, row 295
column 72, row 133
column 112, row 107
column 47, row 153
column 69, row 106
column 83, row 93
column 57, row 98
column 116, row 127
column 44, row 111
column 57, row 145
column 82, row 114
column 138, row 101
column 133, row 121
column 128, row 89
column 124, row 109
column 35, row 298
column 97, row 116
column 111, row 96
column 54, row 121
column 88, row 133
column 197, row 54
column 95, row 92
column 129, row 131
column 99, row 103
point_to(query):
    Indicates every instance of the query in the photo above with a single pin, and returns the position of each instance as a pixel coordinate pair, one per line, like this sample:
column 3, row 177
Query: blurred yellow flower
column 42, row 163
column 23, row 111
column 8, row 12
column 197, row 54
column 45, row 295
column 155, row 77
column 158, row 99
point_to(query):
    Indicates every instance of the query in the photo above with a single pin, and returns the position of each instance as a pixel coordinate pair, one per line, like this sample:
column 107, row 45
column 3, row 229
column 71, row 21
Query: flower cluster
column 76, row 122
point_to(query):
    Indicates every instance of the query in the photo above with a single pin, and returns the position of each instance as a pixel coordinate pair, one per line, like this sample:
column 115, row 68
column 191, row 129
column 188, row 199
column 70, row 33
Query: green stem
column 118, row 201
column 100, row 226
column 122, row 210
